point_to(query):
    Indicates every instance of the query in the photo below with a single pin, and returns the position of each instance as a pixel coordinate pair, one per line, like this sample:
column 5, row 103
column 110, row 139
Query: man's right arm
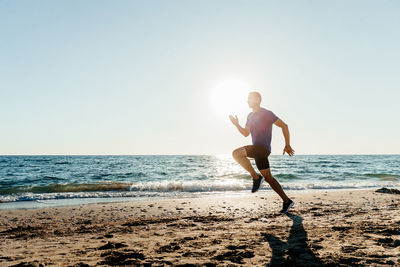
column 244, row 131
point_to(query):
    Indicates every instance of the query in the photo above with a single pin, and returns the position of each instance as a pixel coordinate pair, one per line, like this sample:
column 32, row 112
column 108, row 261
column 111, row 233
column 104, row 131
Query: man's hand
column 234, row 120
column 244, row 131
column 288, row 149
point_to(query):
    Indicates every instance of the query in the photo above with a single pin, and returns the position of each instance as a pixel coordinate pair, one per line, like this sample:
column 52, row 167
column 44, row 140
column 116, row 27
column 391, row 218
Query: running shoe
column 287, row 206
column 257, row 183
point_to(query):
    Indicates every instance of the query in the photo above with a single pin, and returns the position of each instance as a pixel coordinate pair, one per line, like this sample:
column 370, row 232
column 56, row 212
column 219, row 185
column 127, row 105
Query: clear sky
column 135, row 77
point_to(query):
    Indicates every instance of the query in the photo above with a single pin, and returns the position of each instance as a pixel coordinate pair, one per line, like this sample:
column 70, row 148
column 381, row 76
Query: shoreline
column 65, row 202
column 345, row 227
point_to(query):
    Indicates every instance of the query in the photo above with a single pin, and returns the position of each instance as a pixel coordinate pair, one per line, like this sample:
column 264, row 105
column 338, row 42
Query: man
column 259, row 124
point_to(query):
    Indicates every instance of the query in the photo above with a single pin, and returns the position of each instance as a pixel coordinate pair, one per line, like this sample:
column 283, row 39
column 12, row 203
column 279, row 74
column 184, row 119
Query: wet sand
column 324, row 228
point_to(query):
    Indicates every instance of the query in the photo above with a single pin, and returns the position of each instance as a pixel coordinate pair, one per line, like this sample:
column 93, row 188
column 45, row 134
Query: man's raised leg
column 240, row 156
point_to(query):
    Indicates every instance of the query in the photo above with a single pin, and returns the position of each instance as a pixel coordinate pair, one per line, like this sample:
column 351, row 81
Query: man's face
column 252, row 100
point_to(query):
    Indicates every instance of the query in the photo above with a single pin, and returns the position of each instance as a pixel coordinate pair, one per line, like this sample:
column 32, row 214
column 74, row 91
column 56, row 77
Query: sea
column 43, row 181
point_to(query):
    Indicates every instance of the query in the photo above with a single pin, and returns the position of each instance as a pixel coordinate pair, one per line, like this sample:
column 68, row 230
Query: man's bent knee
column 239, row 152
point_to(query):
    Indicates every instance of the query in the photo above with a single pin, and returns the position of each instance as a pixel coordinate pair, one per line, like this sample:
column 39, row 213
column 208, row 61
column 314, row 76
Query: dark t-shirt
column 260, row 124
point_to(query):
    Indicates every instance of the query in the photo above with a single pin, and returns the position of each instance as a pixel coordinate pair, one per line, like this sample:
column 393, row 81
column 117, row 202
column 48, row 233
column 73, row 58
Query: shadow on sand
column 294, row 252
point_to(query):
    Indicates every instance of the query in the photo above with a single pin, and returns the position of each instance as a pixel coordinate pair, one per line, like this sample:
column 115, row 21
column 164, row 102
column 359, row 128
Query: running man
column 259, row 124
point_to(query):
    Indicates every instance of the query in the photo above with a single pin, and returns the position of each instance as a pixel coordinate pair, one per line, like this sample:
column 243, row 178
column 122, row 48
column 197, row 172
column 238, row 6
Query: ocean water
column 43, row 178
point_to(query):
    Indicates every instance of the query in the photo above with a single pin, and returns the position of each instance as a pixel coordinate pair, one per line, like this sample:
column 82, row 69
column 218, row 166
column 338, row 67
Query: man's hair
column 256, row 94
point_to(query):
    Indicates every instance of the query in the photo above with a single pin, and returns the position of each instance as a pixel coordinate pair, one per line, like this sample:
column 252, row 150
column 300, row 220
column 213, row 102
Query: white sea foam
column 151, row 189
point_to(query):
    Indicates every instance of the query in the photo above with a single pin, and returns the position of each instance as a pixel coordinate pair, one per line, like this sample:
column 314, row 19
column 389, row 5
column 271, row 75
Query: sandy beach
column 342, row 227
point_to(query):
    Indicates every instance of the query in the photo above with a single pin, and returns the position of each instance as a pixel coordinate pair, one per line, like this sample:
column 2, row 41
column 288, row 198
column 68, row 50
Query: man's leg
column 240, row 155
column 274, row 184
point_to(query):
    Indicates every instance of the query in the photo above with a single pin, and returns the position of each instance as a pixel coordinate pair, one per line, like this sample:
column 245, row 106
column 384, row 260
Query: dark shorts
column 260, row 153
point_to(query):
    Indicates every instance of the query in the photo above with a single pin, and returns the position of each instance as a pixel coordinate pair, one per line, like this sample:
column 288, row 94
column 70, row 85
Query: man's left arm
column 285, row 130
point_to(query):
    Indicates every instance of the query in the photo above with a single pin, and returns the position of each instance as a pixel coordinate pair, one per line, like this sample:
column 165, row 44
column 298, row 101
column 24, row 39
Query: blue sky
column 135, row 77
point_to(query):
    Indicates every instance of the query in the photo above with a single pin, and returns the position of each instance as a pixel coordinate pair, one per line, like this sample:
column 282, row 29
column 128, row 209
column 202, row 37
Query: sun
column 230, row 97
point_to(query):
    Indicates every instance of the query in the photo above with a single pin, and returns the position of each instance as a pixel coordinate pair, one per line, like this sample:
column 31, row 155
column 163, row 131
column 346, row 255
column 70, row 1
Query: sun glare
column 230, row 97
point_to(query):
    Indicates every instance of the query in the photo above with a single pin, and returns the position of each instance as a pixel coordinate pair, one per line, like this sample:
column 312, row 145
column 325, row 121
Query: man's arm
column 244, row 131
column 285, row 131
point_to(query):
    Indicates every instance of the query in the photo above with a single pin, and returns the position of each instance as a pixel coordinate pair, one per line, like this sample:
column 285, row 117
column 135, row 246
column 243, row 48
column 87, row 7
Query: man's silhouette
column 259, row 125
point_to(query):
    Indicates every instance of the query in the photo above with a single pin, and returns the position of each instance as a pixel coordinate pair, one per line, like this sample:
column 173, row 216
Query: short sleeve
column 274, row 118
column 247, row 122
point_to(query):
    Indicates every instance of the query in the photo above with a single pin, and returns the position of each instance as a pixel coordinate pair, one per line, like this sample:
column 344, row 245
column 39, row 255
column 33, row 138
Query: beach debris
column 388, row 191
column 249, row 220
column 263, row 219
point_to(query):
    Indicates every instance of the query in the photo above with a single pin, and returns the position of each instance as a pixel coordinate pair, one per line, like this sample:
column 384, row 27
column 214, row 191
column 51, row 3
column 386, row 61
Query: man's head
column 254, row 99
